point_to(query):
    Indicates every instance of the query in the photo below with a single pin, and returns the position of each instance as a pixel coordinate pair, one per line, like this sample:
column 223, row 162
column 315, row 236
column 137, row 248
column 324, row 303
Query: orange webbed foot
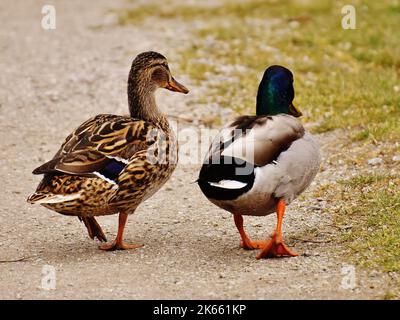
column 118, row 243
column 276, row 248
column 119, row 246
column 253, row 245
column 94, row 229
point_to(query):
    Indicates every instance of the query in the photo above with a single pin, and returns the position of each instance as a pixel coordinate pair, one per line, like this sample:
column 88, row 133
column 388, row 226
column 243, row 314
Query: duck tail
column 36, row 197
column 42, row 197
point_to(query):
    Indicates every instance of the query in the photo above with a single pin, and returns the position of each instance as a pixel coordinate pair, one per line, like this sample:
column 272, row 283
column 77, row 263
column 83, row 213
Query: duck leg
column 246, row 243
column 93, row 228
column 118, row 243
column 276, row 247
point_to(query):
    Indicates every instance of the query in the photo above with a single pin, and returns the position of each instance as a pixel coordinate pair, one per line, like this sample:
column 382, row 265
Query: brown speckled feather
column 111, row 163
column 92, row 144
column 149, row 152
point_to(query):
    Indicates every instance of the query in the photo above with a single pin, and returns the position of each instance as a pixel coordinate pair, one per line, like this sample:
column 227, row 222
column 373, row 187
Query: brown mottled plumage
column 112, row 163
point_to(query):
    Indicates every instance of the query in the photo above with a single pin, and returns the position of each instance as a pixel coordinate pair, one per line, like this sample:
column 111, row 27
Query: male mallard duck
column 112, row 163
column 259, row 164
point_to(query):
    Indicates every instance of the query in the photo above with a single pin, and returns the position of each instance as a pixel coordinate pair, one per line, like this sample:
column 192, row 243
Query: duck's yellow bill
column 174, row 85
column 294, row 111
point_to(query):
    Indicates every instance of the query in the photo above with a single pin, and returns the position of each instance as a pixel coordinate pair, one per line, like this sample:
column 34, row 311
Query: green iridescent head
column 276, row 93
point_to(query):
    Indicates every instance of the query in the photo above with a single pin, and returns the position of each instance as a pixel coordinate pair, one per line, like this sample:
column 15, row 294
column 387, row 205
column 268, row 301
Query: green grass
column 370, row 204
column 343, row 78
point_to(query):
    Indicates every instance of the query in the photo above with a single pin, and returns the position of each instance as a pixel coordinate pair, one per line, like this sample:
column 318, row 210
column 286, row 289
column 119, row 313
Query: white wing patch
column 98, row 174
column 228, row 184
column 125, row 161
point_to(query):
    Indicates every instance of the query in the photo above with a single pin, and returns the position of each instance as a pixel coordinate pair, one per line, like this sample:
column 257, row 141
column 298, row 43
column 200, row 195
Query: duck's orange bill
column 174, row 85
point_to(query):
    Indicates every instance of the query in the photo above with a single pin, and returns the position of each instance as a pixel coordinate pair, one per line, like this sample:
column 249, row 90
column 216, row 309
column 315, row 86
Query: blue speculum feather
column 112, row 169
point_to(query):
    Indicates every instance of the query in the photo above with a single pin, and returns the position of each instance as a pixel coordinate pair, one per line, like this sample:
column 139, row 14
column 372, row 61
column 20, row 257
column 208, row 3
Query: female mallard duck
column 259, row 164
column 112, row 163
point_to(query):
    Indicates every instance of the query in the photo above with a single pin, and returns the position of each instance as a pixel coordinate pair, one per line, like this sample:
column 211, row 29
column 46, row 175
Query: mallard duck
column 259, row 163
column 111, row 163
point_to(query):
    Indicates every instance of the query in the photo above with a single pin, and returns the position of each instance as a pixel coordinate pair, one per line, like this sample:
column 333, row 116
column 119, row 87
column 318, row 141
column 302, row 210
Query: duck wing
column 103, row 144
column 247, row 143
column 258, row 140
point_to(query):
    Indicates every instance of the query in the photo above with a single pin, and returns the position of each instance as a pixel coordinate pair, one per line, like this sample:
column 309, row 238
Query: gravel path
column 52, row 81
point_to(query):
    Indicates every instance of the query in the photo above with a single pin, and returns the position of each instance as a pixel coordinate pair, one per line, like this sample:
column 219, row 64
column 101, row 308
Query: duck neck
column 142, row 103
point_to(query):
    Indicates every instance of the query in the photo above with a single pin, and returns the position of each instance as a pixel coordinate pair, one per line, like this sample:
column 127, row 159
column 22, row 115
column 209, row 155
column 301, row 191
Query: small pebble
column 396, row 158
column 375, row 161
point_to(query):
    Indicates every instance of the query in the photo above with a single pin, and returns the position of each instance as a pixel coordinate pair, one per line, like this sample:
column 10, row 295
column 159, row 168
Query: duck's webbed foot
column 246, row 243
column 269, row 249
column 276, row 248
column 93, row 228
column 118, row 243
column 119, row 246
column 253, row 245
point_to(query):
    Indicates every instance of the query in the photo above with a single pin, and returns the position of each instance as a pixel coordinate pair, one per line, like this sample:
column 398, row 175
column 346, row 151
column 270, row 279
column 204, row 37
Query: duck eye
column 159, row 75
